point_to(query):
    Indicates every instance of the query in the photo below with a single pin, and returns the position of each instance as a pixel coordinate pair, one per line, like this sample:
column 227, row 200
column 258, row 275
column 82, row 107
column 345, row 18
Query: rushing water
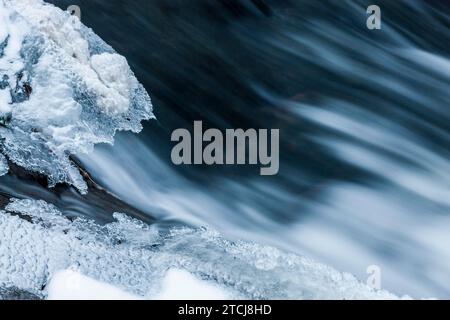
column 363, row 115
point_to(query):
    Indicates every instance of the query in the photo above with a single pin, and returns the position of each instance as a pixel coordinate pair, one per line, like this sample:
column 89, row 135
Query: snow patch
column 181, row 285
column 71, row 285
column 176, row 285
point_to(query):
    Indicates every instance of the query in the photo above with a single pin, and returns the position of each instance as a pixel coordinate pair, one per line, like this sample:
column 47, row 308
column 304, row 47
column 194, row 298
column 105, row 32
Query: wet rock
column 100, row 200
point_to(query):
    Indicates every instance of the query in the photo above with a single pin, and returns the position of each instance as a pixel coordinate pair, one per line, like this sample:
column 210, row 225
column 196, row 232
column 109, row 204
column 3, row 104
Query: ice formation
column 176, row 285
column 62, row 90
column 37, row 241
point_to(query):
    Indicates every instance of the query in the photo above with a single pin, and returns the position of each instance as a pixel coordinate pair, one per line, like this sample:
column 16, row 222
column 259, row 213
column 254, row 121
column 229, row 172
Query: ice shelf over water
column 62, row 90
column 37, row 241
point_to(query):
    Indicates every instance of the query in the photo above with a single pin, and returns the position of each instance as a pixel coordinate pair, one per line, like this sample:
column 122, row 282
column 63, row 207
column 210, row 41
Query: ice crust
column 37, row 241
column 62, row 90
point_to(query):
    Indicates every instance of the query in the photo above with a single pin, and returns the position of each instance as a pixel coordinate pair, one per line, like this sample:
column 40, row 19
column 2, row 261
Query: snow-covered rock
column 62, row 90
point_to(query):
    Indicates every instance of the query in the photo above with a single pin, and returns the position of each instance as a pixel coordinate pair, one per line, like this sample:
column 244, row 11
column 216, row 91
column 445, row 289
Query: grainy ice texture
column 3, row 165
column 62, row 90
column 134, row 257
column 15, row 294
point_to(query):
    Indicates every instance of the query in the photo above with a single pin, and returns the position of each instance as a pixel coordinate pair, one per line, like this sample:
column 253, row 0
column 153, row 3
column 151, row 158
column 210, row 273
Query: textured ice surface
column 36, row 241
column 3, row 165
column 62, row 90
column 15, row 294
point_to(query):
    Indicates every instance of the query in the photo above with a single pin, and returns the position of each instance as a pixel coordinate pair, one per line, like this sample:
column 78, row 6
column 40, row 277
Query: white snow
column 66, row 90
column 181, row 285
column 177, row 284
column 106, row 74
column 112, row 70
column 5, row 100
column 71, row 285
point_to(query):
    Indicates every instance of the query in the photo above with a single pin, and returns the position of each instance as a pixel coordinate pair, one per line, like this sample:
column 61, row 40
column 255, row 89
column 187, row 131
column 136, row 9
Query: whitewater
column 64, row 90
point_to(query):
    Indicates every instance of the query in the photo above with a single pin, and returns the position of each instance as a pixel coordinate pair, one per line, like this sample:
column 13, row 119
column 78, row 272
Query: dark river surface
column 363, row 116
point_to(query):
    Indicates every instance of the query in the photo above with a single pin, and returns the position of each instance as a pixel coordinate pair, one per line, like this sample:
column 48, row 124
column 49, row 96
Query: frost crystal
column 62, row 90
column 31, row 252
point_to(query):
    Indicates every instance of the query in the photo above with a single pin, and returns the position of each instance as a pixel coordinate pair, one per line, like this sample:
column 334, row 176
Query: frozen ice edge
column 62, row 90
column 36, row 242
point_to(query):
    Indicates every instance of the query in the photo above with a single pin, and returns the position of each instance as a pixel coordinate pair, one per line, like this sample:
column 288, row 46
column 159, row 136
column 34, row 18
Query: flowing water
column 363, row 116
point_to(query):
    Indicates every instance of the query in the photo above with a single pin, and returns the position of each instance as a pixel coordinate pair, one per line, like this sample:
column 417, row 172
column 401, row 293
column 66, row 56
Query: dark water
column 363, row 115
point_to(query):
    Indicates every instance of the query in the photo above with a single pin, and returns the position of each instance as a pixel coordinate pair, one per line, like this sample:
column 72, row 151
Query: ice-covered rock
column 36, row 242
column 62, row 90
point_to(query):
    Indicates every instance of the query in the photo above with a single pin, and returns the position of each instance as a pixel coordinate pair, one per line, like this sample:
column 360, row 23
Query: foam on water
column 62, row 90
